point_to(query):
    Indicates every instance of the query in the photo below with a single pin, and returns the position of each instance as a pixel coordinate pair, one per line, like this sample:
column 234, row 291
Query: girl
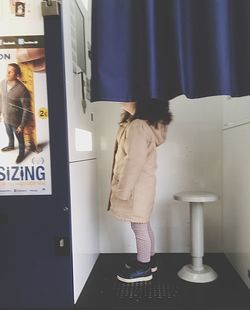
column 142, row 129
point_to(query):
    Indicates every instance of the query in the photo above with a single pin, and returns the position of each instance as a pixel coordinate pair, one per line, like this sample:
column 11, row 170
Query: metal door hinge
column 50, row 7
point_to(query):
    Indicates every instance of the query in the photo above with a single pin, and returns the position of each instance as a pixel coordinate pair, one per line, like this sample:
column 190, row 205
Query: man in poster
column 15, row 108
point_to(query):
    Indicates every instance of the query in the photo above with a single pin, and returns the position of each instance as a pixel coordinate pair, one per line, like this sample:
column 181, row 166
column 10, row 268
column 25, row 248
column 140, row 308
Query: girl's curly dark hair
column 154, row 111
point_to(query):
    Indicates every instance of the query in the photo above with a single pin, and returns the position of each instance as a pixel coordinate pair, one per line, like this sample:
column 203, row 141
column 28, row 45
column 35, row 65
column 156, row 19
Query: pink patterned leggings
column 145, row 242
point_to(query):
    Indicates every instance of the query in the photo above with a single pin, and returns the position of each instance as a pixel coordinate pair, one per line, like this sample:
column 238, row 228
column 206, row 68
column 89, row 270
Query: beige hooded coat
column 133, row 178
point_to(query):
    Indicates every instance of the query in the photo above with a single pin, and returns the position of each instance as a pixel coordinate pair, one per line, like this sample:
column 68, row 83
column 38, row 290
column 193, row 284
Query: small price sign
column 43, row 113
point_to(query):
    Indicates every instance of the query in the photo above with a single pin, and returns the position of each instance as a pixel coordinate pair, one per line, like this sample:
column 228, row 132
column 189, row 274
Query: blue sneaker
column 153, row 264
column 136, row 273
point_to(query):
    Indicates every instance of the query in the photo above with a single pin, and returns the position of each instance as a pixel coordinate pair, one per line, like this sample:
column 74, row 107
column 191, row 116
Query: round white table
column 196, row 271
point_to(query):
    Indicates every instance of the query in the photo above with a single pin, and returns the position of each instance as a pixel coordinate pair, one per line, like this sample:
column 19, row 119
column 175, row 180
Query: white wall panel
column 84, row 218
column 236, row 196
column 235, row 110
column 189, row 160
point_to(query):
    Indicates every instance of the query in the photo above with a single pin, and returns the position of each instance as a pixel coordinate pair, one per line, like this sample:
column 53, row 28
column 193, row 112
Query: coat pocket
column 124, row 194
column 121, row 193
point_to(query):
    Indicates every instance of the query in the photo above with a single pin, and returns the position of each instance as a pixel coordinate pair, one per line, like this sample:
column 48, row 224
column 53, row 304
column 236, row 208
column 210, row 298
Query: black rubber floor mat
column 166, row 291
column 150, row 290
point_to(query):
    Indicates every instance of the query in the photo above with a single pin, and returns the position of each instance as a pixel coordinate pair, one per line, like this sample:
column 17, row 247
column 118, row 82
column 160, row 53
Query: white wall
column 191, row 159
column 236, row 180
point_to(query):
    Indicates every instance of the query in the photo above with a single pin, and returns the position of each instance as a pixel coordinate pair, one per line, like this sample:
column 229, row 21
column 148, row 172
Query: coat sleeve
column 136, row 148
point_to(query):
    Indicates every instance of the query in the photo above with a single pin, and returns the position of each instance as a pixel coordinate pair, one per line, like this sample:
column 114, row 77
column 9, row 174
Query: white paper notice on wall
column 83, row 140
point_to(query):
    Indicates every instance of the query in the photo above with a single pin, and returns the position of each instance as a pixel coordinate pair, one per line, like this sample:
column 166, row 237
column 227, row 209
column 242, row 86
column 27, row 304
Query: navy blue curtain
column 165, row 48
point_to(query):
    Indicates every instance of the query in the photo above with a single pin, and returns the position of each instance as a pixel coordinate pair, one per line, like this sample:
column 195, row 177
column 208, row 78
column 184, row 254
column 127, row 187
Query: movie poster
column 25, row 167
